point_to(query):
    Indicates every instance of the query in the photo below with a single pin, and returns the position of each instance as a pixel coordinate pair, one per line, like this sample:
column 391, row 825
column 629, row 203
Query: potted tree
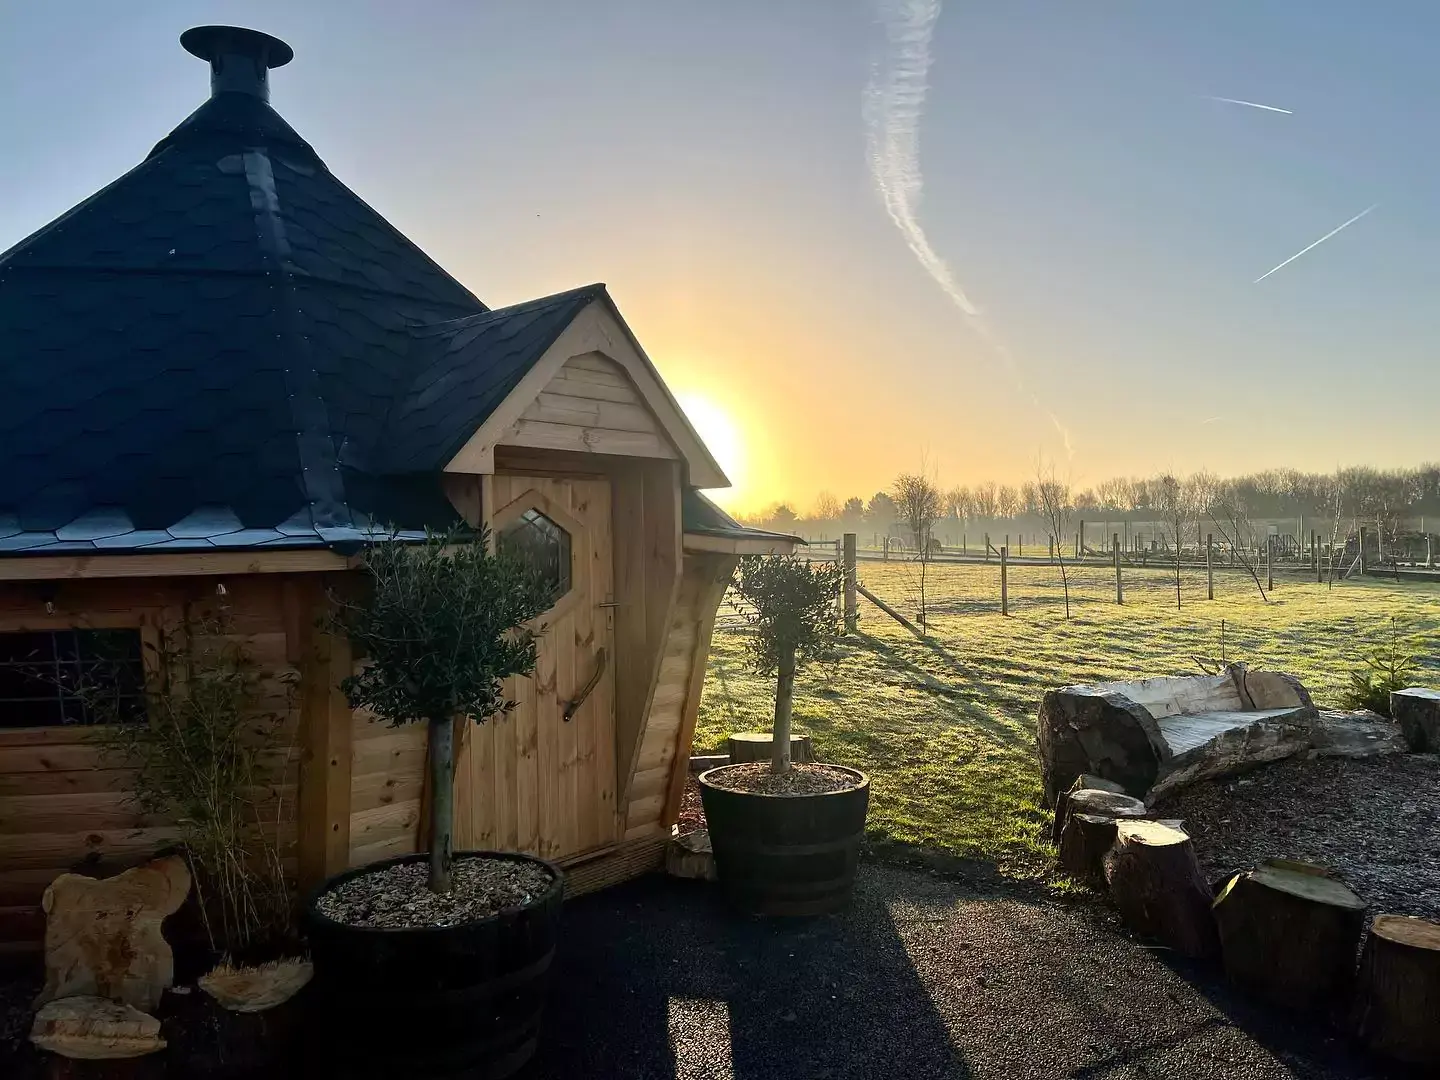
column 435, row 963
column 786, row 835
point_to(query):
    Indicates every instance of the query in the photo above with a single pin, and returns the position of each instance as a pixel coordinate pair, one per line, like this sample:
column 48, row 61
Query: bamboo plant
column 790, row 603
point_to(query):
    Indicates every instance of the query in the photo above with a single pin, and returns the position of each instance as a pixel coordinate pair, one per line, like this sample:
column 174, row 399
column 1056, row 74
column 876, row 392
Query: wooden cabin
column 224, row 374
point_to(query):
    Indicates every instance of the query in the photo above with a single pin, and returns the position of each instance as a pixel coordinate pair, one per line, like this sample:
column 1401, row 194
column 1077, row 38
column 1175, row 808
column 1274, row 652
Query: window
column 544, row 545
column 54, row 677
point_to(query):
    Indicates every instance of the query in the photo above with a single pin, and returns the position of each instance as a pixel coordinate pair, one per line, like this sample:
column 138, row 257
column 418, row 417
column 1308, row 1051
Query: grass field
column 945, row 728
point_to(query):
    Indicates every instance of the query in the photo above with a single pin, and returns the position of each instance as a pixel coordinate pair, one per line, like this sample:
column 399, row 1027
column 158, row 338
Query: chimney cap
column 239, row 57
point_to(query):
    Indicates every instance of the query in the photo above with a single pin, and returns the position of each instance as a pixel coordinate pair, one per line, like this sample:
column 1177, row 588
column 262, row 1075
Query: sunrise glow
column 721, row 435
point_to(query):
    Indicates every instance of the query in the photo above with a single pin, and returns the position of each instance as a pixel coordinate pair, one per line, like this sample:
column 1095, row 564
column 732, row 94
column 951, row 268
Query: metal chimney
column 240, row 59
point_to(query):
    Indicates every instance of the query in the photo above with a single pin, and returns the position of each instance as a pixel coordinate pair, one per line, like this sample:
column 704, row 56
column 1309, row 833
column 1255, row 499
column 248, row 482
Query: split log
column 1397, row 1002
column 1086, row 782
column 1156, row 883
column 1098, row 801
column 760, row 745
column 1087, row 729
column 1289, row 932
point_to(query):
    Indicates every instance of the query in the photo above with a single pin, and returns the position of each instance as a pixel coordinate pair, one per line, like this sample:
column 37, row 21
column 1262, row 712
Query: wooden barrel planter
column 433, row 1001
column 786, row 854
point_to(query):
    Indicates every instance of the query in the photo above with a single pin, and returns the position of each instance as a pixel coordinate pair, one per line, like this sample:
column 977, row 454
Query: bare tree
column 1171, row 502
column 983, row 499
column 1201, row 490
column 1054, row 497
column 1337, row 503
column 1228, row 514
column 1007, row 501
column 959, row 502
column 918, row 505
column 827, row 507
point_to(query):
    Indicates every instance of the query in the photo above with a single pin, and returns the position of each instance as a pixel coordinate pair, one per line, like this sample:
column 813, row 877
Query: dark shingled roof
column 226, row 347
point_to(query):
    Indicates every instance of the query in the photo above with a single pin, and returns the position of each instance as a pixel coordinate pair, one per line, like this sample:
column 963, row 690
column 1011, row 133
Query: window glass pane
column 71, row 677
column 542, row 543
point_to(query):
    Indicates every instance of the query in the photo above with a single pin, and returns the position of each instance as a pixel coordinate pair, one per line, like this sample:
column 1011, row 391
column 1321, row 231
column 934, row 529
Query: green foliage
column 1386, row 670
column 790, row 603
column 442, row 626
column 205, row 762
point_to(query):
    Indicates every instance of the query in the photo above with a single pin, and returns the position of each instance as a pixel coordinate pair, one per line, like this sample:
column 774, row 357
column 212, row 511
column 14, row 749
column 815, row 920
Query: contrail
column 1316, row 244
column 1251, row 104
column 894, row 103
column 1211, row 419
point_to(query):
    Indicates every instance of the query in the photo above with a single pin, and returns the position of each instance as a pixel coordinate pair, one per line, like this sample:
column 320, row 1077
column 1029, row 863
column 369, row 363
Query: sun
column 721, row 436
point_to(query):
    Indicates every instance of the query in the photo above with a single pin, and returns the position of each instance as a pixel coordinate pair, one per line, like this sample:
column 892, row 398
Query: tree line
column 1356, row 494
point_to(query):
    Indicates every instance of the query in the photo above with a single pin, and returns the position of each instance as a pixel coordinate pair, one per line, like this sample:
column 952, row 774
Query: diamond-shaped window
column 544, row 545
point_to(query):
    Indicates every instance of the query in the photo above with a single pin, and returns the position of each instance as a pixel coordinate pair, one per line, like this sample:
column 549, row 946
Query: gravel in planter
column 399, row 896
column 802, row 779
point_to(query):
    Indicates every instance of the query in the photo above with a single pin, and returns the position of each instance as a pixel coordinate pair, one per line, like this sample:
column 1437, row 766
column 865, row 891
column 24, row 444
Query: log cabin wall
column 65, row 802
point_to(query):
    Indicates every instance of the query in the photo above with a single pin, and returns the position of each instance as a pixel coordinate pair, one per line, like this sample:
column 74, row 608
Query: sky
column 859, row 237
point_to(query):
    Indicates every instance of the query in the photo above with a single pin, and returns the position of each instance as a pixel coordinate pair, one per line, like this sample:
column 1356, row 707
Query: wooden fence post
column 1269, row 563
column 851, row 624
column 1364, row 565
column 1004, row 581
column 987, row 547
column 1210, row 566
column 1119, row 585
column 1080, row 540
column 886, row 555
column 1051, row 556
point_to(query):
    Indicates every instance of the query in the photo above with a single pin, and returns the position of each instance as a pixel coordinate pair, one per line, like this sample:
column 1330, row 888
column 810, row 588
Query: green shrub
column 1386, row 670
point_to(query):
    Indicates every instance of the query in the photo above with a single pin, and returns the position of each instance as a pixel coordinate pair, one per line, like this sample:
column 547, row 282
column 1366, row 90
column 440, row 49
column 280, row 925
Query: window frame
column 42, row 622
column 579, row 543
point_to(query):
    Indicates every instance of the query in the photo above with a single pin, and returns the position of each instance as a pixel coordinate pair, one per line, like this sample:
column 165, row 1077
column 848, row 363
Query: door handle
column 572, row 707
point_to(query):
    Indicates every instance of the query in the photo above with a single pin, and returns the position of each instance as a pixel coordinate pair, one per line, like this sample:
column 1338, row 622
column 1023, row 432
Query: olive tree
column 440, row 626
column 791, row 605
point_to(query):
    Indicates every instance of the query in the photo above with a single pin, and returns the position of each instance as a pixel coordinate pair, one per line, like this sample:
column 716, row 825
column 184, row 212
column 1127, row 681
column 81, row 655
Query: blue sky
column 709, row 161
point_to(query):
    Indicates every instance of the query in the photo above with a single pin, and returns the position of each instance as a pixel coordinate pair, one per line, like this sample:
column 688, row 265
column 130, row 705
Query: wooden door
column 536, row 781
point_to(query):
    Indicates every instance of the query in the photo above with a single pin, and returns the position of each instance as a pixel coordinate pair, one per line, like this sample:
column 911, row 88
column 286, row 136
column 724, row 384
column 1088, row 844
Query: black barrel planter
column 433, row 1001
column 786, row 854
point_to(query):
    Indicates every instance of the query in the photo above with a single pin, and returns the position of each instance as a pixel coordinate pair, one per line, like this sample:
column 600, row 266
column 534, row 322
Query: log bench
column 1151, row 736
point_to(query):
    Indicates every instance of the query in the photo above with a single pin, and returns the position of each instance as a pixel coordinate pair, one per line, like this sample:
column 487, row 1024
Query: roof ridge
column 463, row 322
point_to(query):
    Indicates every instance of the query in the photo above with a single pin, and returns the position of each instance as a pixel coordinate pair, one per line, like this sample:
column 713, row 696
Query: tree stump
column 1086, row 729
column 1418, row 713
column 1098, row 801
column 1087, row 839
column 760, row 745
column 1084, row 782
column 1397, row 1002
column 1156, row 882
column 1289, row 933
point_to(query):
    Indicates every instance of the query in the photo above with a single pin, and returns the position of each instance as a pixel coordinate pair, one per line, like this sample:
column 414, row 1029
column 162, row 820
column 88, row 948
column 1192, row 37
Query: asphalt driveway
column 922, row 978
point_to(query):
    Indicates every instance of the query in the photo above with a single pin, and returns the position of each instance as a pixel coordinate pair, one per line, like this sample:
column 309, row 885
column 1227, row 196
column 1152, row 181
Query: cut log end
column 1084, row 782
column 1289, row 933
column 1398, row 996
column 1156, row 883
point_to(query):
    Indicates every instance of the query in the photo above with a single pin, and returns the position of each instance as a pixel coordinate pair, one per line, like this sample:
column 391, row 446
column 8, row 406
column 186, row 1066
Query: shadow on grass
column 959, row 704
column 659, row 981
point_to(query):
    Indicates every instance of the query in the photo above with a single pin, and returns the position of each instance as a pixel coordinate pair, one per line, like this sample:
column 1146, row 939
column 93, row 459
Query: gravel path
column 1374, row 822
column 922, row 979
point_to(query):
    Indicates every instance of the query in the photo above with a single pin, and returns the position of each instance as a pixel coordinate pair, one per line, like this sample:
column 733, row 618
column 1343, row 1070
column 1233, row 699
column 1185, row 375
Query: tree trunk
column 1289, row 933
column 1398, row 999
column 747, row 746
column 1084, row 782
column 442, row 801
column 784, row 702
column 1156, row 883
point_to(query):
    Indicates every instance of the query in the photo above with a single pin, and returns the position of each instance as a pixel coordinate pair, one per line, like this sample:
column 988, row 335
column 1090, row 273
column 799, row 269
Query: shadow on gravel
column 658, row 981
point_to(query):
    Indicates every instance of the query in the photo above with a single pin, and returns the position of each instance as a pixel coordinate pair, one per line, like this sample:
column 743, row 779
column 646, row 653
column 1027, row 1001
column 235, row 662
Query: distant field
column 946, row 727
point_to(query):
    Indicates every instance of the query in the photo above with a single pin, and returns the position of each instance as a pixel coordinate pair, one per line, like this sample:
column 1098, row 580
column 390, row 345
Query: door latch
column 572, row 707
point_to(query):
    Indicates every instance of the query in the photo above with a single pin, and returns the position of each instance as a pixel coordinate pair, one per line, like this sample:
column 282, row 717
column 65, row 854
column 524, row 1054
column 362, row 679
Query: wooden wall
column 664, row 752
column 64, row 802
